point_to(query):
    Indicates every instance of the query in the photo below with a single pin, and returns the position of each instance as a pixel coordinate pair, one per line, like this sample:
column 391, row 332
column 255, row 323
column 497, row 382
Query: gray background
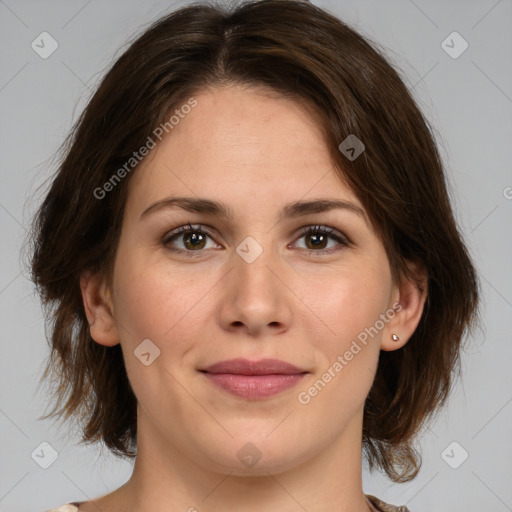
column 469, row 101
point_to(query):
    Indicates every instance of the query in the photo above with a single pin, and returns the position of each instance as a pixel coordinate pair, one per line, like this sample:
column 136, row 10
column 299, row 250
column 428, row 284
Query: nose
column 256, row 299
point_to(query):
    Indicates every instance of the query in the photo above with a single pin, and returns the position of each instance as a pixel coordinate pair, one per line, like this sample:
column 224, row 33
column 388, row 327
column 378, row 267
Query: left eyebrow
column 291, row 210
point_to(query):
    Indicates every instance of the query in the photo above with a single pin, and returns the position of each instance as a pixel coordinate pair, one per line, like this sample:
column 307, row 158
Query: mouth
column 254, row 380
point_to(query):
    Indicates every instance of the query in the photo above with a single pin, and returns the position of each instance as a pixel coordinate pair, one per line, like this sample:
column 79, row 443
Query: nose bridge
column 255, row 297
column 253, row 261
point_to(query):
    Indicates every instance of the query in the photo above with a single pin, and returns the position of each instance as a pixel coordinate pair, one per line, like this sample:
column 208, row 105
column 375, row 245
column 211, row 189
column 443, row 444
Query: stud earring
column 394, row 337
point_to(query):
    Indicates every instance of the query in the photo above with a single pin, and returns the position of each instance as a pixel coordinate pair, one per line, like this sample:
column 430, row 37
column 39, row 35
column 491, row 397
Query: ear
column 99, row 309
column 408, row 301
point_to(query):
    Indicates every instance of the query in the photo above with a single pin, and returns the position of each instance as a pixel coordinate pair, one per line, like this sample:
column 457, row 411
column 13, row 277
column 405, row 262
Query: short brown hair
column 304, row 53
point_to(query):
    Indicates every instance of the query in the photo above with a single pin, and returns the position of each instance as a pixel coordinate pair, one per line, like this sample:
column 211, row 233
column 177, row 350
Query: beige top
column 376, row 504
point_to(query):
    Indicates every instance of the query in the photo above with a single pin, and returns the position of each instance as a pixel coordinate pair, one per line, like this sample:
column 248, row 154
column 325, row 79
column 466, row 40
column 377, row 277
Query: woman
column 251, row 266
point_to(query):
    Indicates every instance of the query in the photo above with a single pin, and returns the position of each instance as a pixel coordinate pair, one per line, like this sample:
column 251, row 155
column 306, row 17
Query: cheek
column 342, row 314
column 346, row 355
column 155, row 301
column 348, row 301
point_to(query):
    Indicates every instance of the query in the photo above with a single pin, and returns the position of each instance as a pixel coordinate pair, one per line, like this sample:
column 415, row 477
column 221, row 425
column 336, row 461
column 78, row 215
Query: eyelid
column 341, row 239
column 199, row 228
column 325, row 229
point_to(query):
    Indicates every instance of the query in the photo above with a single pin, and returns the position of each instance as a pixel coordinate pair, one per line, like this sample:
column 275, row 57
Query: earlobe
column 411, row 296
column 98, row 309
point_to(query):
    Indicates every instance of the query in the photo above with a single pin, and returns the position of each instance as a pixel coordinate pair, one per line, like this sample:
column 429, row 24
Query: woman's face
column 250, row 286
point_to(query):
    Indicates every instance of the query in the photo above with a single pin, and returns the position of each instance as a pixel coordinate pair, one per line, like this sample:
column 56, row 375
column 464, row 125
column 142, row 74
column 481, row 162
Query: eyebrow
column 295, row 209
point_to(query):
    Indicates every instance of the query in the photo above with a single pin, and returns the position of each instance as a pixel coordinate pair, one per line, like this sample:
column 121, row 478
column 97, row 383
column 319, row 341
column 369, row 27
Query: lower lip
column 254, row 387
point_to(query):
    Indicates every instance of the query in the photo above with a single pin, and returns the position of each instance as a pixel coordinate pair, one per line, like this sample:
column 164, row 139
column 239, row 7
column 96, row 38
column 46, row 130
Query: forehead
column 241, row 145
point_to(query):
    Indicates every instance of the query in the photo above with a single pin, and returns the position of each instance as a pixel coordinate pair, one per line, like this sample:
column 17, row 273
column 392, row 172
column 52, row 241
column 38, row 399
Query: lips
column 254, row 379
column 247, row 367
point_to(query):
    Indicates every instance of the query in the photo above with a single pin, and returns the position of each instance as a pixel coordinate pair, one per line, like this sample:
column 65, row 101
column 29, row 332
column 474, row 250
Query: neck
column 164, row 478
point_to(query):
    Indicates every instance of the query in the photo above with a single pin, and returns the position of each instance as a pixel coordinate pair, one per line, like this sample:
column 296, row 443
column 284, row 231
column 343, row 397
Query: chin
column 255, row 456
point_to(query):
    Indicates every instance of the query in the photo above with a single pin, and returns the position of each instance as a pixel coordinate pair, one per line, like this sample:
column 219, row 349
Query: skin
column 254, row 152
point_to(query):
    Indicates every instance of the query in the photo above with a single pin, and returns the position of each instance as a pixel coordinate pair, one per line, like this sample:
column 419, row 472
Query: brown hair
column 303, row 52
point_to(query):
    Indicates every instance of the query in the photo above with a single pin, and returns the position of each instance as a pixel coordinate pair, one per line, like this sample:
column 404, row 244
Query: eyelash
column 309, row 230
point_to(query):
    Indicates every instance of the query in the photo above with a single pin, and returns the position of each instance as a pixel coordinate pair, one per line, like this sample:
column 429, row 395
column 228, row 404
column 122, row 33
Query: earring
column 394, row 337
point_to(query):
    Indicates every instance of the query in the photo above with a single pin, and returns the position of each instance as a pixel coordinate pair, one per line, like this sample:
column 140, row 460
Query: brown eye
column 187, row 239
column 194, row 240
column 316, row 239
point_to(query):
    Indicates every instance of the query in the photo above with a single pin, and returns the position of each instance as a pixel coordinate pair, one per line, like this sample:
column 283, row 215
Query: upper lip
column 248, row 367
